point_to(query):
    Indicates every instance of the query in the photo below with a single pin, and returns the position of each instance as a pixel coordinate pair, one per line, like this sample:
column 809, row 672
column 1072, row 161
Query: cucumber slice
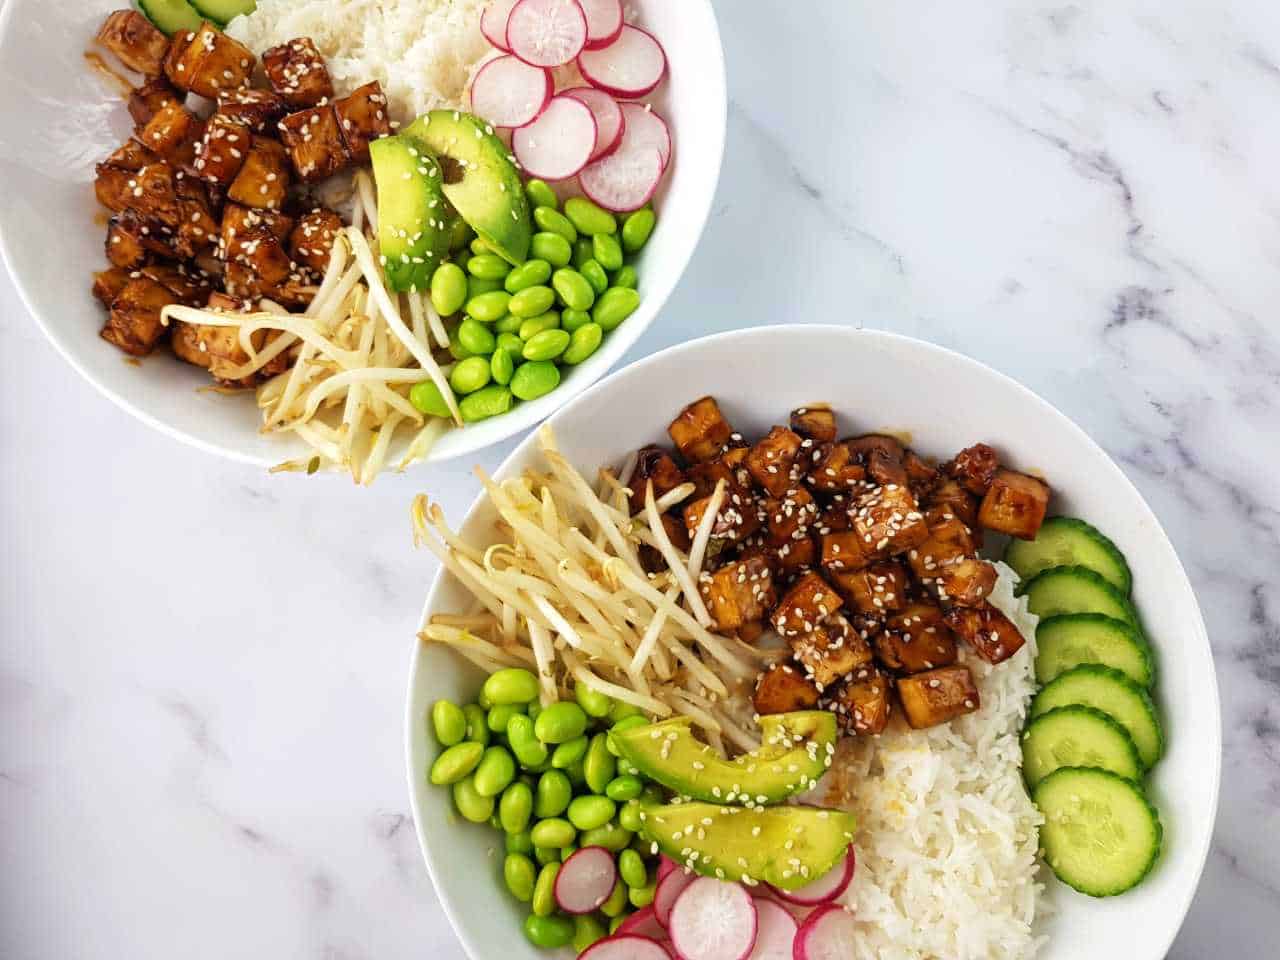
column 1113, row 693
column 224, row 11
column 1071, row 639
column 1101, row 835
column 171, row 15
column 1077, row 736
column 1064, row 542
column 1077, row 590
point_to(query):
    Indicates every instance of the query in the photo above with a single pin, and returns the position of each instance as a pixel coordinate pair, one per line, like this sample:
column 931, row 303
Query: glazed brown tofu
column 107, row 284
column 948, row 542
column 188, row 288
column 700, row 432
column 862, row 703
column 259, row 110
column 795, row 556
column 1015, row 504
column 842, row 552
column 921, row 475
column 362, row 117
column 974, row 468
column 915, row 639
column 311, row 241
column 135, row 41
column 771, row 461
column 735, row 520
column 153, row 194
column 314, row 142
column 832, row 650
column 936, row 696
column 218, row 349
column 789, row 517
column 876, row 590
column 784, row 688
column 134, row 322
column 197, row 230
column 145, row 101
column 130, row 242
column 655, row 464
column 263, row 181
column 992, row 635
column 297, row 73
column 948, row 498
column 966, row 582
column 882, row 456
column 208, row 62
column 889, row 521
column 114, row 186
column 832, row 469
column 167, row 130
column 809, row 601
column 175, row 59
column 817, row 423
column 739, row 593
column 130, row 155
column 222, row 151
column 835, row 518
column 263, row 253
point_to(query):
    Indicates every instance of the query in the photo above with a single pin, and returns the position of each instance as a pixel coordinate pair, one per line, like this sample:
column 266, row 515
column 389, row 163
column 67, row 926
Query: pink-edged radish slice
column 643, row 923
column 631, row 66
column 826, row 888
column 609, row 118
column 669, row 888
column 775, row 931
column 493, row 22
column 625, row 946
column 559, row 143
column 624, row 180
column 546, row 33
column 665, row 866
column 826, row 934
column 509, row 93
column 646, row 129
column 713, row 920
column 585, row 880
column 604, row 21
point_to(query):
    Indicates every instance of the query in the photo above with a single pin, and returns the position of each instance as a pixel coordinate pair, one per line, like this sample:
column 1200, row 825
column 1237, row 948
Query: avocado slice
column 796, row 751
column 480, row 179
column 413, row 218
column 785, row 846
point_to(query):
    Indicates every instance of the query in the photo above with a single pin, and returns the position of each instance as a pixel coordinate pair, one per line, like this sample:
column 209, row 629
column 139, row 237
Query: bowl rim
column 520, row 418
column 412, row 723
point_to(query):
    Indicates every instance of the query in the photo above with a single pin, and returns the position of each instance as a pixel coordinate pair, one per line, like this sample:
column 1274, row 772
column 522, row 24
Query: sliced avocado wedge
column 786, row 846
column 796, row 751
column 480, row 179
column 413, row 216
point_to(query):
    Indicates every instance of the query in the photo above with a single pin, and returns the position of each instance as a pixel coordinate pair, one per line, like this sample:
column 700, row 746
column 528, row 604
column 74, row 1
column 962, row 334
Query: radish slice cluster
column 622, row 946
column 604, row 21
column 713, row 920
column 631, row 66
column 546, row 33
column 585, row 880
column 493, row 22
column 609, row 116
column 559, row 143
column 826, row 888
column 509, row 93
column 775, row 932
column 826, row 934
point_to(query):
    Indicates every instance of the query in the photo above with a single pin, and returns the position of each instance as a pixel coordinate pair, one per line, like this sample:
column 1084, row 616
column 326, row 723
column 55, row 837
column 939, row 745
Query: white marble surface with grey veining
column 202, row 673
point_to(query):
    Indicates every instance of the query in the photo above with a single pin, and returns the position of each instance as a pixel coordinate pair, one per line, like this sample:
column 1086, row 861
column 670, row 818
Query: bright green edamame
column 512, row 685
column 626, row 277
column 617, row 902
column 528, row 274
column 456, row 349
column 529, row 750
column 449, row 723
column 550, row 247
column 477, row 724
column 496, row 771
column 521, row 874
column 627, row 768
column 448, row 289
column 470, row 803
column 629, row 816
column 588, row 812
column 469, row 375
column 619, row 920
column 636, row 229
column 573, row 289
column 479, row 248
column 520, row 842
column 456, row 762
column 589, row 218
column 501, row 715
column 488, row 307
column 532, row 301
column 475, row 337
column 553, row 832
column 581, row 252
column 545, row 855
column 535, row 325
column 623, row 711
column 595, row 275
column 426, row 396
column 511, row 343
column 583, row 343
column 598, row 766
column 571, row 320
column 552, row 794
column 631, row 868
column 587, row 929
column 546, row 345
column 567, row 852
column 614, row 306
column 567, row 754
column 547, row 932
column 535, row 379
column 624, row 788
column 540, row 194
column 607, row 250
column 501, row 366
column 516, row 807
column 593, row 702
column 640, row 897
column 487, row 266
column 509, row 324
column 544, row 890
column 478, row 286
column 488, row 402
column 611, row 836
column 561, row 721
column 551, row 220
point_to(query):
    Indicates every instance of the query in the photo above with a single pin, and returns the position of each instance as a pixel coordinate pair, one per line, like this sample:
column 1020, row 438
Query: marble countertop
column 202, row 675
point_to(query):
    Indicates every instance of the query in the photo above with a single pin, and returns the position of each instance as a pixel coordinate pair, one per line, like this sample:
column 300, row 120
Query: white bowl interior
column 51, row 228
column 944, row 401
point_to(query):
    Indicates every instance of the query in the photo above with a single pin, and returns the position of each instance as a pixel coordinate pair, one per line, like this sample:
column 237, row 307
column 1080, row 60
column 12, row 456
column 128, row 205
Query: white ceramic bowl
column 876, row 381
column 51, row 229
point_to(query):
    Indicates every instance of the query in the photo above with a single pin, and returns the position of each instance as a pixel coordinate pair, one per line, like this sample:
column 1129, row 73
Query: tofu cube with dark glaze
column 948, row 498
column 936, row 696
column 135, row 41
column 915, row 639
column 842, row 552
column 882, row 456
column 311, row 241
column 862, row 703
column 772, row 459
column 1015, row 504
column 817, row 423
column 809, row 601
column 263, row 181
column 223, row 150
column 168, row 129
column 297, row 73
column 966, row 582
column 700, row 431
column 876, row 590
column 655, row 464
column 784, row 688
column 974, row 468
column 832, row 650
column 145, row 101
column 948, row 542
column 134, row 322
column 739, row 592
column 993, row 636
column 259, row 110
column 889, row 520
column 314, row 142
column 790, row 516
column 362, row 117
column 832, row 469
column 208, row 62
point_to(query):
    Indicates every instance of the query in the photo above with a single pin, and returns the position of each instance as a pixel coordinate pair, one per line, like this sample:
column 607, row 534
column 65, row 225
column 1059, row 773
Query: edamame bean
column 598, row 766
column 494, row 822
column 614, row 306
column 532, row 301
column 587, row 930
column 619, row 920
column 540, row 194
column 544, row 900
column 581, row 252
column 567, row 852
column 459, row 234
column 535, row 325
column 528, row 274
column 576, row 776
column 501, row 366
column 520, row 842
column 552, row 795
column 546, row 345
column 553, row 832
column 551, row 220
column 448, row 289
column 487, row 266
column 629, row 817
column 617, row 902
column 426, row 396
column 631, row 868
column 624, row 788
column 471, row 804
column 477, row 724
column 529, row 750
column 501, row 715
column 595, row 275
column 587, row 813
column 535, row 708
column 560, row 722
column 535, row 379
column 456, row 762
column 512, row 685
column 583, row 343
column 449, row 723
column 545, row 855
column 469, row 375
column 626, row 277
column 516, row 807
column 589, row 218
column 627, row 768
column 548, row 932
column 488, row 307
column 607, row 250
column 623, row 710
column 572, row 320
column 480, row 248
column 550, row 247
column 521, row 874
column 509, row 324
column 478, row 286
column 456, row 349
column 641, row 897
column 496, row 771
column 488, row 402
column 612, row 837
column 512, row 344
column 567, row 754
column 593, row 702
column 573, row 289
column 475, row 336
column 636, row 229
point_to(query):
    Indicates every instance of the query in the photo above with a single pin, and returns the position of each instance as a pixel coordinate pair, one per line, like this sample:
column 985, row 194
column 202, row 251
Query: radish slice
column 604, row 21
column 493, row 22
column 665, row 866
column 646, row 129
column 669, row 889
column 826, row 888
column 826, row 934
column 775, row 933
column 631, row 66
column 622, row 946
column 585, row 880
column 546, row 33
column 509, row 93
column 609, row 118
column 559, row 143
column 624, row 180
column 713, row 920
column 643, row 923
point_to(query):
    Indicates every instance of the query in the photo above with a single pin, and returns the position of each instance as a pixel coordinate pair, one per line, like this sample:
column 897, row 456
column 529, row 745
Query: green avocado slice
column 480, row 179
column 413, row 219
column 796, row 751
column 786, row 846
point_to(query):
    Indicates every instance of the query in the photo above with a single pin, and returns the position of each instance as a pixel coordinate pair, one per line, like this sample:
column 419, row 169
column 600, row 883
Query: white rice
column 947, row 837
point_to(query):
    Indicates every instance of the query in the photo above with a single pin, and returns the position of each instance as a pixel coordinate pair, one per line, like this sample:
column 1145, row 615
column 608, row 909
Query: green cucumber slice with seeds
column 1101, row 835
column 1061, row 590
column 1065, row 542
column 1068, row 640
column 1077, row 736
column 171, row 15
column 224, row 11
column 1113, row 693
